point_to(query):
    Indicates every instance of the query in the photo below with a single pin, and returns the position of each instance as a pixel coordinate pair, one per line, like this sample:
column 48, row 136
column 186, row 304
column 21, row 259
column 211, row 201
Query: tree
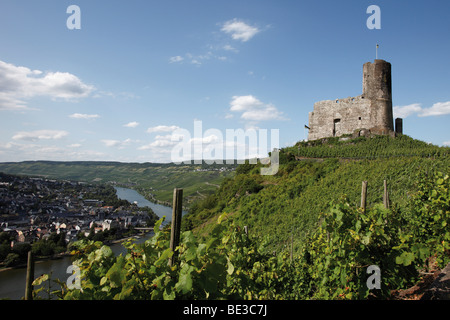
column 22, row 250
column 5, row 249
column 12, row 259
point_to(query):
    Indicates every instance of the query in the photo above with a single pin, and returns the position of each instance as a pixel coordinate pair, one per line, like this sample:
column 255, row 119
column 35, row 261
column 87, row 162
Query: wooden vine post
column 176, row 223
column 385, row 195
column 30, row 277
column 364, row 196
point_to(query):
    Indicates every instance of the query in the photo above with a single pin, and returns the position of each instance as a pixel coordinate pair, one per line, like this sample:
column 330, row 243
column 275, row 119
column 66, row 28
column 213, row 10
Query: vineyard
column 308, row 237
column 367, row 148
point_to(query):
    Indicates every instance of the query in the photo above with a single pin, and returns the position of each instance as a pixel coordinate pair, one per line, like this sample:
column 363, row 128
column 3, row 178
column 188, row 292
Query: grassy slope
column 274, row 207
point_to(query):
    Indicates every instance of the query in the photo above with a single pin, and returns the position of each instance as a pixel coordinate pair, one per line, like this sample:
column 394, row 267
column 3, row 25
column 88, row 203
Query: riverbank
column 134, row 196
column 59, row 256
column 150, row 197
column 136, row 236
column 38, row 259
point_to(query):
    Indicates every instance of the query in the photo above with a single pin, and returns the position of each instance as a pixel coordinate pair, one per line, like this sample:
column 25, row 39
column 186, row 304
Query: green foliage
column 229, row 264
column 399, row 242
column 12, row 256
column 107, row 194
column 12, row 259
column 427, row 233
column 5, row 244
column 54, row 244
column 346, row 243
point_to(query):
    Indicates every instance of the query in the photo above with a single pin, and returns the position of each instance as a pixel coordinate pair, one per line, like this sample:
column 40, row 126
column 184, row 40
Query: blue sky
column 119, row 87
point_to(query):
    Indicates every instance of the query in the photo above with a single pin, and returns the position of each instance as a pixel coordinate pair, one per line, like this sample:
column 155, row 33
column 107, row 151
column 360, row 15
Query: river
column 12, row 282
column 133, row 196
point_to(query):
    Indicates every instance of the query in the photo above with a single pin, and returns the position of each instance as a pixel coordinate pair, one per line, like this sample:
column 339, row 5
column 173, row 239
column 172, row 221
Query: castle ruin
column 371, row 111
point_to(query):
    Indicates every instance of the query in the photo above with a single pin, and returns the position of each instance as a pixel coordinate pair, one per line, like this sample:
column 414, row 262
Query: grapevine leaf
column 405, row 258
column 184, row 284
column 116, row 273
column 358, row 226
column 169, row 294
column 164, row 257
column 230, row 268
column 38, row 281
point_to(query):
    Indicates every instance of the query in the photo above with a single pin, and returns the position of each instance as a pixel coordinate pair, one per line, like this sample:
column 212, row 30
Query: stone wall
column 333, row 118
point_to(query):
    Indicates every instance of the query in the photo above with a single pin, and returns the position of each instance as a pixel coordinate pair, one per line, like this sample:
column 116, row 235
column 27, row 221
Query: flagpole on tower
column 376, row 52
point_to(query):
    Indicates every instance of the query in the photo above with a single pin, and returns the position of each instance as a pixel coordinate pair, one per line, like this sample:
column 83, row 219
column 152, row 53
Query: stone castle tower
column 370, row 111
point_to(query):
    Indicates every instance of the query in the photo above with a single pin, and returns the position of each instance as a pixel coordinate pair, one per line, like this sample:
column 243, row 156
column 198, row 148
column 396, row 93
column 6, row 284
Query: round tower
column 377, row 88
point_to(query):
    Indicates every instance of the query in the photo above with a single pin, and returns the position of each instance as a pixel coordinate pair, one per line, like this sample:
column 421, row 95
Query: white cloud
column 84, row 116
column 18, row 84
column 8, row 102
column 180, row 145
column 437, row 109
column 268, row 112
column 132, row 124
column 239, row 30
column 74, row 145
column 196, row 59
column 161, row 141
column 206, row 140
column 162, row 129
column 120, row 95
column 40, row 135
column 405, row 111
column 176, row 59
column 447, row 143
column 244, row 103
column 227, row 47
column 116, row 143
column 255, row 110
column 111, row 143
column 13, row 151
